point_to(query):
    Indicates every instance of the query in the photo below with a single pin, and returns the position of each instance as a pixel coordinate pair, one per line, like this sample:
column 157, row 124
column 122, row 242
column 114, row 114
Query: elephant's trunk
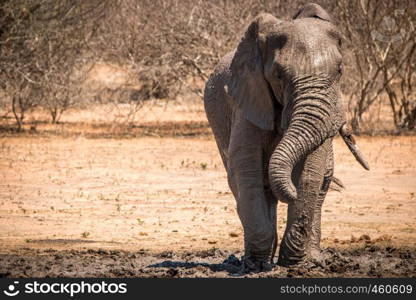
column 313, row 120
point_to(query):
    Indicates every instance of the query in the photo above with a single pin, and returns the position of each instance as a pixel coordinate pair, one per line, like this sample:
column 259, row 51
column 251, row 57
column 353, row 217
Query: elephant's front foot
column 289, row 257
column 259, row 247
column 312, row 256
column 254, row 265
column 315, row 255
column 293, row 249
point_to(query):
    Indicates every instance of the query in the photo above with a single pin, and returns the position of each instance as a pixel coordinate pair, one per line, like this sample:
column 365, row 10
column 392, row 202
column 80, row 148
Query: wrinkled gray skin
column 274, row 107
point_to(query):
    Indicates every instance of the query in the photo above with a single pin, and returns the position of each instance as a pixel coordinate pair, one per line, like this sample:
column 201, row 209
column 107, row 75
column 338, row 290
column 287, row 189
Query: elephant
column 274, row 106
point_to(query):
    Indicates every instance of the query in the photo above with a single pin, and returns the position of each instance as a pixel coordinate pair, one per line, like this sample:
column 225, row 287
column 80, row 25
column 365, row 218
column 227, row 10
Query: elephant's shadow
column 231, row 265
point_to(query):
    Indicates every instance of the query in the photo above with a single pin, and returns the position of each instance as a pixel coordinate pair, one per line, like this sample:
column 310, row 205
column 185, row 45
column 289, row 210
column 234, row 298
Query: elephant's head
column 293, row 67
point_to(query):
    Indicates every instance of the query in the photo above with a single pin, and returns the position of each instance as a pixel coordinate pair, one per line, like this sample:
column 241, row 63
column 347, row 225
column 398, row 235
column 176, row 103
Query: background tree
column 41, row 42
column 380, row 53
column 168, row 48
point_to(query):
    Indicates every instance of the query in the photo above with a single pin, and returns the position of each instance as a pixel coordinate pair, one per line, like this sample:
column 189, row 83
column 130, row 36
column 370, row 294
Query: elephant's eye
column 340, row 70
column 337, row 71
column 279, row 72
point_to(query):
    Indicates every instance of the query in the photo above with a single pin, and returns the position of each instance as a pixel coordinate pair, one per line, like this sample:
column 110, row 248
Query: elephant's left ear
column 312, row 10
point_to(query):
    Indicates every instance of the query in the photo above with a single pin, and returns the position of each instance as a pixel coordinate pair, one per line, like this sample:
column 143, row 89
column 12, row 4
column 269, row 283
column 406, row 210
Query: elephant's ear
column 247, row 87
column 312, row 10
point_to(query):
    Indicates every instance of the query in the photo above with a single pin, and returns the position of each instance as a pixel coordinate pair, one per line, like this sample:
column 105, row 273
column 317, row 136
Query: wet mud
column 365, row 261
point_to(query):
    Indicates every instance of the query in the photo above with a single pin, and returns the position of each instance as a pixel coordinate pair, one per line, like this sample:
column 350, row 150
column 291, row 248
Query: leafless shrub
column 169, row 47
column 25, row 96
column 40, row 40
column 380, row 45
column 166, row 42
column 59, row 96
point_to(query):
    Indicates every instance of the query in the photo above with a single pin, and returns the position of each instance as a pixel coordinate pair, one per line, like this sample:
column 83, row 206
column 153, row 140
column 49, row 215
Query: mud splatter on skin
column 369, row 260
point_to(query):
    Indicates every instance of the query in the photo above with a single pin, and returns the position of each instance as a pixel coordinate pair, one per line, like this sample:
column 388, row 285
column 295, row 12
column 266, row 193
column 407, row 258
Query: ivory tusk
column 350, row 142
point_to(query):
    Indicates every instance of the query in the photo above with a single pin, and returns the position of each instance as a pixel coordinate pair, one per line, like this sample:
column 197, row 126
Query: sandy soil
column 148, row 206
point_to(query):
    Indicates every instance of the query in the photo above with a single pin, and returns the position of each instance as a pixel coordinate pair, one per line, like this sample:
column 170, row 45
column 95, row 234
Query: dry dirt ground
column 157, row 204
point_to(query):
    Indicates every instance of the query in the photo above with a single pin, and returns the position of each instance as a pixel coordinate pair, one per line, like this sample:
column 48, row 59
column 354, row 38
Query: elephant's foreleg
column 258, row 223
column 314, row 244
column 301, row 212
